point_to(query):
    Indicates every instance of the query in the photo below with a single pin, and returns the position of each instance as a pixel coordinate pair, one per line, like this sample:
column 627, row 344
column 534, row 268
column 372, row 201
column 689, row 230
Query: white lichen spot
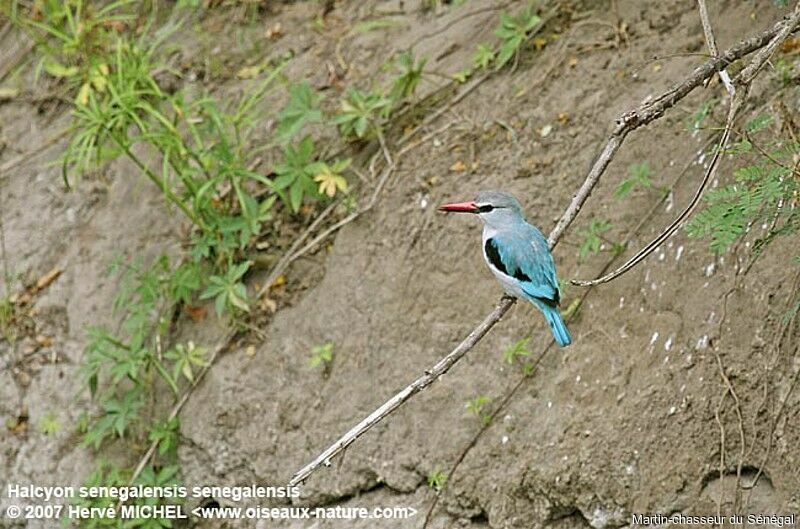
column 701, row 158
column 653, row 286
column 679, row 253
column 549, row 404
column 654, row 338
column 423, row 203
column 578, row 378
column 504, row 440
column 672, row 410
column 702, row 342
column 662, row 256
column 621, row 301
column 668, row 344
column 670, row 202
column 709, row 270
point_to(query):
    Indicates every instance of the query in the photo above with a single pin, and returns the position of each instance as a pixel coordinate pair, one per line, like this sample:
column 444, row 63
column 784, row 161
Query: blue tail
column 553, row 317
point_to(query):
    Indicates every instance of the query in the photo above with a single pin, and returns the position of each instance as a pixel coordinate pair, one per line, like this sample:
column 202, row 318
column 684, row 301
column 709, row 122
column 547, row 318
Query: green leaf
column 57, row 69
column 302, row 109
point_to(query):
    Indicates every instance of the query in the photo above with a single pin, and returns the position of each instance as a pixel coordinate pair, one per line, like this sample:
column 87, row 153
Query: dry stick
column 281, row 265
column 743, row 80
column 223, row 344
column 711, row 43
column 31, row 155
column 648, row 111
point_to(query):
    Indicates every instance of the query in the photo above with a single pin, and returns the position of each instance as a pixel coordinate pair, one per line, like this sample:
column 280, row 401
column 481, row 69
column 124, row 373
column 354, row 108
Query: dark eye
column 485, row 208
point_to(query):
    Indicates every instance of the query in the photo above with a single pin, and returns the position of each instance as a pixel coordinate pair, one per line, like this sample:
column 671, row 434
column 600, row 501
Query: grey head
column 498, row 209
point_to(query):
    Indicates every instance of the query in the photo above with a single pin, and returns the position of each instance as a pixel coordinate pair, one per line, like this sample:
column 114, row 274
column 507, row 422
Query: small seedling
column 593, row 238
column 166, row 434
column 322, row 355
column 228, row 290
column 476, row 407
column 296, row 173
column 49, row 424
column 483, row 57
column 405, row 84
column 186, row 357
column 302, row 109
column 330, row 178
column 437, row 480
column 638, row 175
column 513, row 31
column 361, row 113
column 519, row 352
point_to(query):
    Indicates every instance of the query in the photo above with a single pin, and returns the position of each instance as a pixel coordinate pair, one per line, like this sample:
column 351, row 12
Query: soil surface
column 676, row 393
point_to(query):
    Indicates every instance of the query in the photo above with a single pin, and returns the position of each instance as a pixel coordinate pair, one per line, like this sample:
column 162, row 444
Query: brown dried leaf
column 459, row 167
column 48, row 278
column 196, row 313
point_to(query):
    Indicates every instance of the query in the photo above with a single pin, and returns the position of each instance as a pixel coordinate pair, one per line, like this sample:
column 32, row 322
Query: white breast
column 510, row 284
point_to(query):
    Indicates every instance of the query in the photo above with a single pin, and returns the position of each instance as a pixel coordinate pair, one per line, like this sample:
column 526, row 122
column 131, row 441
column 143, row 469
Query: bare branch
column 648, row 111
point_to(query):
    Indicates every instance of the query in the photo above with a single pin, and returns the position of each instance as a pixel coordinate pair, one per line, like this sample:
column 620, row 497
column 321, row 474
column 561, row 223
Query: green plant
column 7, row 317
column 784, row 71
column 185, row 359
column 302, row 109
column 593, row 239
column 202, row 146
column 437, row 480
column 405, row 84
column 361, row 113
column 638, row 174
column 322, row 355
column 73, row 37
column 483, row 57
column 476, row 407
column 49, row 424
column 759, row 194
column 513, row 30
column 228, row 290
column 166, row 434
column 519, row 352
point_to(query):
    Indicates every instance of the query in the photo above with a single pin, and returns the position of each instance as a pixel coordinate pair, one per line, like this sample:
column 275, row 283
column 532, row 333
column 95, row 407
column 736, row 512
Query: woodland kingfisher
column 518, row 255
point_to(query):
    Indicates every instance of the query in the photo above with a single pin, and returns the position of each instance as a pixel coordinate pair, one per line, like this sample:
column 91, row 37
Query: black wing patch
column 493, row 254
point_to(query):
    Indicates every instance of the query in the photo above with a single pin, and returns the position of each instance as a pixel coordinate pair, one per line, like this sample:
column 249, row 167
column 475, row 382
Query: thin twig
column 711, row 43
column 647, row 112
column 31, row 155
column 281, row 265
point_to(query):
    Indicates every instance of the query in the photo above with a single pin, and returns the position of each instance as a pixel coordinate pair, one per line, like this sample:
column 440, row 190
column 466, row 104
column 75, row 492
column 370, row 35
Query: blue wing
column 524, row 255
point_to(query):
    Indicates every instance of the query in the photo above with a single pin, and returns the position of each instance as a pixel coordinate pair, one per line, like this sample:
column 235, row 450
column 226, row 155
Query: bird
column 518, row 255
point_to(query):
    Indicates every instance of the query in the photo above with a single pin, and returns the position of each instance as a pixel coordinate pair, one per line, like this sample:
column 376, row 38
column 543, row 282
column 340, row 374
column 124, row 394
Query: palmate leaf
column 302, row 109
column 513, row 30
